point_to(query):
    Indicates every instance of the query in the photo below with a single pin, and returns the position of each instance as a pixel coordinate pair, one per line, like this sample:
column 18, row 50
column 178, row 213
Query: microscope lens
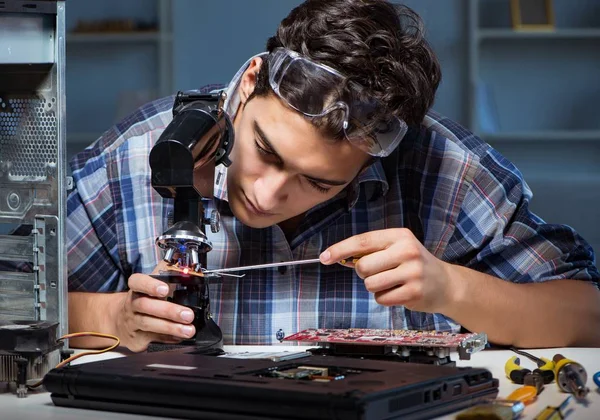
column 169, row 255
column 194, row 257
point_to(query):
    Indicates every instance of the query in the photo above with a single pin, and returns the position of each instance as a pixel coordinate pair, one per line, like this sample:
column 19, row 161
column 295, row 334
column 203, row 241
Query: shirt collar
column 373, row 176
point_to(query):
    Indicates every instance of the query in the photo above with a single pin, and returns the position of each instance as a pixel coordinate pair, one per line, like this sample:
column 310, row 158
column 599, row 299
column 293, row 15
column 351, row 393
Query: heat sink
column 28, row 350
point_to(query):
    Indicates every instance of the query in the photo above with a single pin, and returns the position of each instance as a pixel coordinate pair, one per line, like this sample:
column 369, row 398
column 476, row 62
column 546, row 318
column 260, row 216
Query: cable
column 85, row 353
column 530, row 356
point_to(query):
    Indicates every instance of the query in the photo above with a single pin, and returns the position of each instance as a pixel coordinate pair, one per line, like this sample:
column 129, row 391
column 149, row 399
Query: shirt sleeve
column 97, row 255
column 496, row 233
column 92, row 258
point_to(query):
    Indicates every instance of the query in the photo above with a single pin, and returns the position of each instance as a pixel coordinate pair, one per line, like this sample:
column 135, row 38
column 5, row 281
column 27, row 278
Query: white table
column 38, row 406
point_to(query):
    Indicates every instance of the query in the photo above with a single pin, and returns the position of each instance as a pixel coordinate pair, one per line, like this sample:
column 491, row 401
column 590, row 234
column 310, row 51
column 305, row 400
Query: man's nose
column 271, row 190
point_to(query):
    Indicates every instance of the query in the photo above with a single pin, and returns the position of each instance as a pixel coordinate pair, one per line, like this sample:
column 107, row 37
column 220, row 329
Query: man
column 336, row 154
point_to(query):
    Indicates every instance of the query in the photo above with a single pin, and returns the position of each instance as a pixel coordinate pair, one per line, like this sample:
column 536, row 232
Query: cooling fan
column 28, row 350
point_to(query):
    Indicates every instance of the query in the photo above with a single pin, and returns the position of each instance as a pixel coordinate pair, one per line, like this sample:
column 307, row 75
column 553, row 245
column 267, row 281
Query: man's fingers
column 399, row 295
column 161, row 266
column 374, row 263
column 363, row 244
column 162, row 309
column 410, row 272
column 383, row 281
column 161, row 326
column 357, row 245
column 147, row 285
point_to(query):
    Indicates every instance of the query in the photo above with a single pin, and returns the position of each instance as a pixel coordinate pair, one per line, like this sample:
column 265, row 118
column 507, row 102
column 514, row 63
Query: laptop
column 181, row 383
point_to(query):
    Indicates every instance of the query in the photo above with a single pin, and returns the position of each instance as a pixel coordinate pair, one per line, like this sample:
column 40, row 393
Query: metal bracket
column 39, row 267
column 472, row 345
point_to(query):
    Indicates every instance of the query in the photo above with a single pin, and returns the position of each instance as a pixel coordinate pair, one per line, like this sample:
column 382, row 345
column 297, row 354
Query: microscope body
column 182, row 163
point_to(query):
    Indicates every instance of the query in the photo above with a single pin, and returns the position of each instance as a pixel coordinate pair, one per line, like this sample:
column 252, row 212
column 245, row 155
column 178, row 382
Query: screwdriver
column 526, row 394
column 498, row 409
column 259, row 266
column 545, row 367
column 553, row 413
column 533, row 381
column 570, row 376
column 352, row 260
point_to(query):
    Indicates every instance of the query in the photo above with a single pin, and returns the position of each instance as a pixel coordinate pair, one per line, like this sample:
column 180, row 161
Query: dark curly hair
column 379, row 45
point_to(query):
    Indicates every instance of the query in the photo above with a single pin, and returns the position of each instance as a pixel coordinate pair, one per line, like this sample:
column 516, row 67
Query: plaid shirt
column 465, row 202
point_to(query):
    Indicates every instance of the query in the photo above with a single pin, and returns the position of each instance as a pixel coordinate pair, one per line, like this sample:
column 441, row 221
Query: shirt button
column 280, row 335
column 282, row 269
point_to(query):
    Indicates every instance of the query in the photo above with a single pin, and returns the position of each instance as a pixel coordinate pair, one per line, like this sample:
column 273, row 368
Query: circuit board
column 387, row 337
column 177, row 274
column 464, row 343
column 183, row 270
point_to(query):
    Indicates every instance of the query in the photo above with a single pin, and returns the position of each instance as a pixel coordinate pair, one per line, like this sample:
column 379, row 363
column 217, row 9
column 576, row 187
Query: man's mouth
column 253, row 209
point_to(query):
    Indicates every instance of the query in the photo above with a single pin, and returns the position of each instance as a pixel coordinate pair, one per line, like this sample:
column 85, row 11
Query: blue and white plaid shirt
column 465, row 202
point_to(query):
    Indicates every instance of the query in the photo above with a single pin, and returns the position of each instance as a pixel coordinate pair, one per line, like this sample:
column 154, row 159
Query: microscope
column 182, row 163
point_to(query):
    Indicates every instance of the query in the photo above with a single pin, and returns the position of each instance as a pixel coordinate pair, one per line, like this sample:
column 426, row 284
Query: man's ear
column 248, row 80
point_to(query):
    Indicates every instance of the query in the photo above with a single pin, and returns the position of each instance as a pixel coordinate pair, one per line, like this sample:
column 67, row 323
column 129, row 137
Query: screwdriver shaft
column 259, row 266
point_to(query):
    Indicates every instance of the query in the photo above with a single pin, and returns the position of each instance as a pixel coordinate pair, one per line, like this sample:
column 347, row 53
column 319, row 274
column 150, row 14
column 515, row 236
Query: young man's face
column 282, row 165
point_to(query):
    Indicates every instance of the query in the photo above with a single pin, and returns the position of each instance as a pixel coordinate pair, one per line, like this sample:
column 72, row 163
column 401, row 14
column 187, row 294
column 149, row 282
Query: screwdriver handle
column 570, row 376
column 525, row 394
column 549, row 413
column 350, row 260
column 553, row 413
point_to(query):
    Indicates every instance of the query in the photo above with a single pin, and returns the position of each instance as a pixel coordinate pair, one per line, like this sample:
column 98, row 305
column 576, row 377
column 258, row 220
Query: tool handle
column 548, row 364
column 546, row 374
column 571, row 376
column 525, row 394
column 514, row 371
column 549, row 413
column 350, row 260
column 486, row 411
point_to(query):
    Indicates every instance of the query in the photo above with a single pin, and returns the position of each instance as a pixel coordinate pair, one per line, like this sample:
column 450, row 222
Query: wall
column 213, row 39
column 540, row 83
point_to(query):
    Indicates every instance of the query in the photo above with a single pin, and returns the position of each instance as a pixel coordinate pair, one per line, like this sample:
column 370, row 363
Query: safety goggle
column 316, row 90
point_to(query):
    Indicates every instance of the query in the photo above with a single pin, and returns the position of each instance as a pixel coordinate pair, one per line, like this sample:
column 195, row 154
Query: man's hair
column 374, row 43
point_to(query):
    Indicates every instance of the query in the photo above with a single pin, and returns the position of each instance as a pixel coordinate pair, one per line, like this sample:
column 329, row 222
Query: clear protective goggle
column 310, row 88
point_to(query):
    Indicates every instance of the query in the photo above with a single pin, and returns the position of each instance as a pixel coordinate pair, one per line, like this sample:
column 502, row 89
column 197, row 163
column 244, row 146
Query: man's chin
column 256, row 222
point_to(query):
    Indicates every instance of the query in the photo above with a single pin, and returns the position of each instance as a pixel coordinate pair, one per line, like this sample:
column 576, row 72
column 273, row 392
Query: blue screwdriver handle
column 597, row 379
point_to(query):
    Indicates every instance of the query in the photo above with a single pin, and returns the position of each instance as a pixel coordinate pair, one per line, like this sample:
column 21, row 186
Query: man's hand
column 397, row 268
column 400, row 271
column 144, row 315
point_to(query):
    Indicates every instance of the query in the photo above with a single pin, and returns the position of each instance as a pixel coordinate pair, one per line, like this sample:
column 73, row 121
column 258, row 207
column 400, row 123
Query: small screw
column 14, row 201
column 280, row 335
column 215, row 221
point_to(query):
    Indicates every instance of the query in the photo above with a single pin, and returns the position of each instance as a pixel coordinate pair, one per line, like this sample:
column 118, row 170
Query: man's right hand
column 143, row 315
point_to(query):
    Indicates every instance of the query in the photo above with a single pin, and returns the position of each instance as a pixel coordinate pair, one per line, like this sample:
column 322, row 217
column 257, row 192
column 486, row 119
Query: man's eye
column 261, row 149
column 318, row 187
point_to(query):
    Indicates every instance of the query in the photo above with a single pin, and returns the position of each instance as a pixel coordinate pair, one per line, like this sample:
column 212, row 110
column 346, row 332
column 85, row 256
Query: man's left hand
column 397, row 268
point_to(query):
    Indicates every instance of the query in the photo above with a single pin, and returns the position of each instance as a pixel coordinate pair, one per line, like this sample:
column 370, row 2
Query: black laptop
column 182, row 384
